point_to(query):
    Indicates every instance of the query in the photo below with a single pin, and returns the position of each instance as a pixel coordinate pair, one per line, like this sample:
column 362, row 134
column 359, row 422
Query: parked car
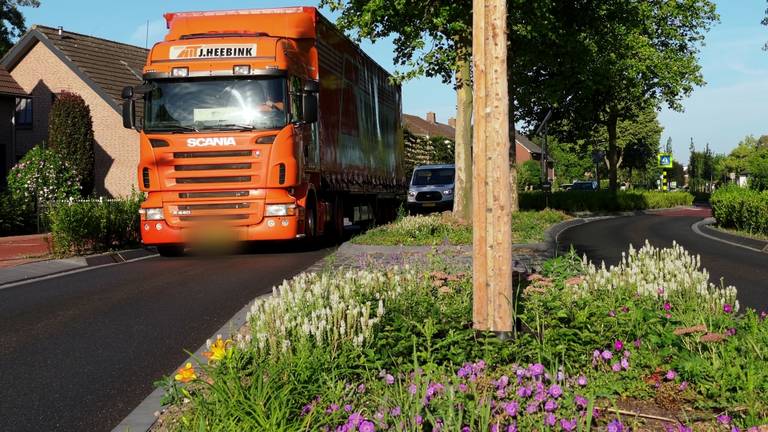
column 590, row 186
column 431, row 188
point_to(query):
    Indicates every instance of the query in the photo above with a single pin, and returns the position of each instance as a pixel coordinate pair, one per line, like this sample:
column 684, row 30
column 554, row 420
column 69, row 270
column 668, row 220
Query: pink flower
column 667, row 306
column 582, row 381
column 618, row 345
column 727, row 308
column 671, row 375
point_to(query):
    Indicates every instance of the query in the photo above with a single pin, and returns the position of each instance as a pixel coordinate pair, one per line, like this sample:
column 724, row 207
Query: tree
column 598, row 62
column 13, row 25
column 529, row 174
column 668, row 147
column 432, row 39
column 70, row 133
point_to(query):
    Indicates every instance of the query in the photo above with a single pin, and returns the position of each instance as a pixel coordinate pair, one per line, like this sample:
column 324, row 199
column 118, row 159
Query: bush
column 15, row 217
column 70, row 133
column 741, row 209
column 95, row 225
column 42, row 176
column 573, row 201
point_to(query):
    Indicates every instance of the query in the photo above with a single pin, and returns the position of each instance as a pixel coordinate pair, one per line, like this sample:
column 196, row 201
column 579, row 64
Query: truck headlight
column 152, row 213
column 280, row 210
column 448, row 192
column 411, row 193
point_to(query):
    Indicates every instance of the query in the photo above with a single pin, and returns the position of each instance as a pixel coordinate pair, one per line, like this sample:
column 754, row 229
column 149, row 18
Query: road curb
column 143, row 417
column 38, row 270
column 702, row 225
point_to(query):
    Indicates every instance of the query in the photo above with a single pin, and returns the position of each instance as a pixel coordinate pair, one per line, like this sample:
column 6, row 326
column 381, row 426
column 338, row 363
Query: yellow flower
column 218, row 349
column 186, row 374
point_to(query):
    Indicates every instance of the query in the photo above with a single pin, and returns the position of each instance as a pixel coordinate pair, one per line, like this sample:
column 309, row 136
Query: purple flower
column 555, row 391
column 550, row 405
column 581, row 401
column 568, row 425
column 511, row 408
column 618, row 345
column 463, row 387
column 536, row 369
column 611, row 313
column 347, row 408
column 332, row 408
column 361, row 388
column 532, row 407
column 638, row 342
column 501, row 393
column 627, row 354
column 730, row 332
column 524, row 392
column 503, row 381
column 667, row 306
column 367, row 426
column 624, row 363
column 625, row 309
column 616, row 367
column 615, row 426
column 724, row 419
column 606, row 355
column 418, row 419
column 412, row 389
column 355, row 419
column 389, row 379
column 394, row 412
column 660, row 291
column 512, row 427
column 466, row 429
column 763, row 315
column 671, row 375
column 581, row 380
column 727, row 308
column 550, row 419
column 683, row 385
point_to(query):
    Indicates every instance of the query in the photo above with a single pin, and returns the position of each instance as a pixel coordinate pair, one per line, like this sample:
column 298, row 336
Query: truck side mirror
column 310, row 107
column 129, row 108
column 129, row 113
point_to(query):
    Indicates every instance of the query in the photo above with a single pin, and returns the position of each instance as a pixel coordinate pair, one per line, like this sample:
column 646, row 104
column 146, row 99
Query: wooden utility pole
column 462, row 199
column 491, row 209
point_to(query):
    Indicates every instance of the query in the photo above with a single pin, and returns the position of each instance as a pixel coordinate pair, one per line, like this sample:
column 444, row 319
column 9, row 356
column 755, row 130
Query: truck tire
column 170, row 250
column 311, row 223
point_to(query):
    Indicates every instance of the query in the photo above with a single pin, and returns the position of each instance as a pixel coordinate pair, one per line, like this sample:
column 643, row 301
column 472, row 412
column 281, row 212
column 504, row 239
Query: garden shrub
column 70, row 133
column 603, row 200
column 15, row 217
column 41, row 176
column 741, row 209
column 395, row 350
column 94, row 225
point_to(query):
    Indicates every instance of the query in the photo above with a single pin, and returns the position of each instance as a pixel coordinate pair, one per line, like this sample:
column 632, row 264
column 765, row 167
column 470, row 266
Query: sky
column 733, row 104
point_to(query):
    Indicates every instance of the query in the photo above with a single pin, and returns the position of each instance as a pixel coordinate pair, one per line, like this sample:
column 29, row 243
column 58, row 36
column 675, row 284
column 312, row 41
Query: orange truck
column 263, row 124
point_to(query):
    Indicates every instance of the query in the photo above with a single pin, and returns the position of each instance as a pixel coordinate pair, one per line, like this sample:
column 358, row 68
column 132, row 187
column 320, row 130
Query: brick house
column 13, row 112
column 526, row 150
column 48, row 61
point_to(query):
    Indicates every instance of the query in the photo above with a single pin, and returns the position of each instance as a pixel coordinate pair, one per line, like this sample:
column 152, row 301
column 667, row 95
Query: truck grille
column 213, row 194
column 429, row 196
column 211, row 167
column 211, row 154
column 197, row 180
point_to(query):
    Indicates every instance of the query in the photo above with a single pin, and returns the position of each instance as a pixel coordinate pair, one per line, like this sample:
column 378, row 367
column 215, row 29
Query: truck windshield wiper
column 174, row 129
column 234, row 126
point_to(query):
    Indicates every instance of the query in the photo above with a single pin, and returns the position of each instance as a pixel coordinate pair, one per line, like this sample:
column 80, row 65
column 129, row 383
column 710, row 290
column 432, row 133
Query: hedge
column 574, row 201
column 79, row 227
column 741, row 209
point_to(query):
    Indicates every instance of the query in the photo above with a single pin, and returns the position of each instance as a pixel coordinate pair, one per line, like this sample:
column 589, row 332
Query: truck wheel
column 170, row 250
column 311, row 223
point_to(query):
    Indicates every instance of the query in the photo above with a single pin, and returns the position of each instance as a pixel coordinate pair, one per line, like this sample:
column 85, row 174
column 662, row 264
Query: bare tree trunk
column 492, row 236
column 613, row 166
column 462, row 204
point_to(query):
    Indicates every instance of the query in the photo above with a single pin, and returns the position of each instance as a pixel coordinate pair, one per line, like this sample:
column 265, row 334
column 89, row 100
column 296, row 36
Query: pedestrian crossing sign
column 665, row 160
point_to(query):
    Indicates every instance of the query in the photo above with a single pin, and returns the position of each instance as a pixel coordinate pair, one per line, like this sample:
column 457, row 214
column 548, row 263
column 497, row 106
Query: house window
column 24, row 112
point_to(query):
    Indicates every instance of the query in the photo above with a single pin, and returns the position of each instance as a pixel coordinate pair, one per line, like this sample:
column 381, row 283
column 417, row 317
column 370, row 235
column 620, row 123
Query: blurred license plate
column 429, row 204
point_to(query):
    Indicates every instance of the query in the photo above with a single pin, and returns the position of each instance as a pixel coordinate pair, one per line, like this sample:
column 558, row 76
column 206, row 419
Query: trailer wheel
column 170, row 250
column 338, row 218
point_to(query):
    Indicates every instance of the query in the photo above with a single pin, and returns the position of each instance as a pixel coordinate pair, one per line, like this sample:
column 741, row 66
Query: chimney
column 452, row 122
column 431, row 117
column 61, row 30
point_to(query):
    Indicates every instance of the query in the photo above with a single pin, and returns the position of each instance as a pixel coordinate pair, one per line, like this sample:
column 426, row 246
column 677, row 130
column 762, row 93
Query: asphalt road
column 604, row 240
column 79, row 352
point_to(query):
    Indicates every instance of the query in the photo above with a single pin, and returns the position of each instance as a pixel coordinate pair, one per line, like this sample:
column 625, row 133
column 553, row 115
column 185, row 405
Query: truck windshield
column 215, row 103
column 432, row 176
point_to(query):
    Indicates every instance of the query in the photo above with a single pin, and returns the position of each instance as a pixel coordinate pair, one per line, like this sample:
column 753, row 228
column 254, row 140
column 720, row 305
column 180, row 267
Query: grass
column 436, row 229
column 743, row 233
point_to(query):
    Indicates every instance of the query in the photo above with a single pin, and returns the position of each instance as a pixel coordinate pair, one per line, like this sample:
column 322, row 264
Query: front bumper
column 158, row 232
column 430, row 205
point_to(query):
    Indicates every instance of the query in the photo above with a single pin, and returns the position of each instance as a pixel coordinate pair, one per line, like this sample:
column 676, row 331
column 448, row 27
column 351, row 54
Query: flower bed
column 435, row 229
column 647, row 345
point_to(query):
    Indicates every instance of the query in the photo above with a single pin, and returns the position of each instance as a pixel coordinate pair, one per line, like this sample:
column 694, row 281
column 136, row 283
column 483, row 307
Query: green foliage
column 573, row 201
column 528, row 174
column 13, row 25
column 597, row 63
column 426, row 151
column 95, row 225
column 70, row 133
column 41, row 176
column 436, row 229
column 15, row 216
column 741, row 209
